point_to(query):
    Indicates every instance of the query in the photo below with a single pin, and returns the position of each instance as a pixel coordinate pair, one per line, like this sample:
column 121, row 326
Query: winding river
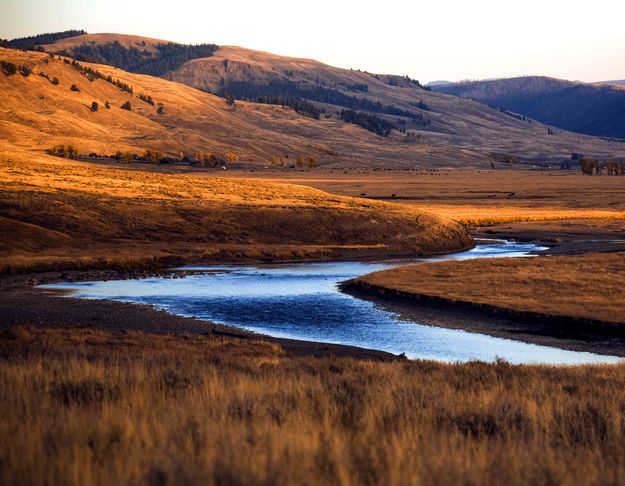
column 302, row 301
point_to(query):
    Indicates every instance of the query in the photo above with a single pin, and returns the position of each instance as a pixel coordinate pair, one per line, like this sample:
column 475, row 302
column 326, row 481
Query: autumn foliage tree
column 231, row 157
column 65, row 151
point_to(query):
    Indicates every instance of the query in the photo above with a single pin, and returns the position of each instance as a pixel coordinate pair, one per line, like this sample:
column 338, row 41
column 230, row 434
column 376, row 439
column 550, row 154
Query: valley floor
column 102, row 392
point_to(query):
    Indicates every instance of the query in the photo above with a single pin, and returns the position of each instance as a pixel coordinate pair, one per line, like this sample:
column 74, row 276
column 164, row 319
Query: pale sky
column 452, row 39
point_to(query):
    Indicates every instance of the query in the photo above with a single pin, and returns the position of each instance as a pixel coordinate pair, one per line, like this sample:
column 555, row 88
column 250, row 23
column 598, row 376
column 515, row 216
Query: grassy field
column 479, row 197
column 590, row 286
column 87, row 407
column 57, row 213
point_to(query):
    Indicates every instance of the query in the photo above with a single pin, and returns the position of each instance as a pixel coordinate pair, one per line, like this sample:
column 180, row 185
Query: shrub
column 8, row 68
column 126, row 106
column 161, row 109
column 94, row 106
column 75, row 88
column 55, row 81
column 148, row 99
column 107, row 105
column 25, row 71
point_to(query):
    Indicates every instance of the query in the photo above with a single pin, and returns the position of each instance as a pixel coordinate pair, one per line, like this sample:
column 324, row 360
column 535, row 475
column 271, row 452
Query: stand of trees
column 31, row 42
column 363, row 87
column 170, row 56
column 65, row 151
column 289, row 89
column 300, row 106
column 369, row 122
column 148, row 99
column 93, row 74
column 597, row 167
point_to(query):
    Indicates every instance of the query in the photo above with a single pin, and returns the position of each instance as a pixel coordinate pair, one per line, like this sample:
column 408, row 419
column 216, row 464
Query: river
column 302, row 301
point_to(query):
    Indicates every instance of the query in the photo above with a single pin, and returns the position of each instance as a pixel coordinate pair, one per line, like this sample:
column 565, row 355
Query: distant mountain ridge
column 597, row 110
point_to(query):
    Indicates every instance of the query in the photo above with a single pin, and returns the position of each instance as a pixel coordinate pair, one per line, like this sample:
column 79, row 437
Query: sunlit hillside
column 57, row 213
column 449, row 131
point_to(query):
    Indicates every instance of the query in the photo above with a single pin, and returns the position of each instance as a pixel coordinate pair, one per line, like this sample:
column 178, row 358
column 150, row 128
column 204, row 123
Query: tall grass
column 85, row 407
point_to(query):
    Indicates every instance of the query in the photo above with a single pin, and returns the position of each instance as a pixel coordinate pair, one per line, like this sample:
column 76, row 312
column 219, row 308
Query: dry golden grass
column 55, row 210
column 480, row 197
column 85, row 407
column 590, row 286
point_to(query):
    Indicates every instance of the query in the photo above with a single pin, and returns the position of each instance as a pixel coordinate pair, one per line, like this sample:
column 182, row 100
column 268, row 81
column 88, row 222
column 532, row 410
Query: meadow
column 589, row 286
column 478, row 197
column 88, row 407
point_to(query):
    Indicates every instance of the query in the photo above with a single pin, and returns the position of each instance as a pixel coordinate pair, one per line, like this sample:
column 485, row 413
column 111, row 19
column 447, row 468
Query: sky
column 434, row 40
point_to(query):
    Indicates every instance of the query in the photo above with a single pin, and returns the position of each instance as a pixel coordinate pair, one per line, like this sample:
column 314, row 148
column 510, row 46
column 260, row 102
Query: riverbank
column 23, row 305
column 572, row 302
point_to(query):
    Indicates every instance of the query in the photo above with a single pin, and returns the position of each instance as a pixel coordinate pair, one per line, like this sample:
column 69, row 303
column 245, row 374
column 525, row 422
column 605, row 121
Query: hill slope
column 584, row 108
column 56, row 213
column 449, row 131
column 37, row 113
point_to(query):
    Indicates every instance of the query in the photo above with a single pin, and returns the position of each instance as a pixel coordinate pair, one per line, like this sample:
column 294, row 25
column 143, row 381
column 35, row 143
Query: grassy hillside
column 583, row 108
column 448, row 131
column 37, row 113
column 60, row 214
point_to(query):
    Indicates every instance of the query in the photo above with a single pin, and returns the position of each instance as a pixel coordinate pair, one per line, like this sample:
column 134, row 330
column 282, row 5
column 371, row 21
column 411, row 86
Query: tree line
column 251, row 91
column 597, row 167
column 300, row 106
column 205, row 159
column 33, row 41
column 369, row 122
column 93, row 74
column 170, row 56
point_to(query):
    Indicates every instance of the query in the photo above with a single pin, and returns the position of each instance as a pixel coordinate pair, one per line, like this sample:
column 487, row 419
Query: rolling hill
column 57, row 213
column 442, row 130
column 584, row 108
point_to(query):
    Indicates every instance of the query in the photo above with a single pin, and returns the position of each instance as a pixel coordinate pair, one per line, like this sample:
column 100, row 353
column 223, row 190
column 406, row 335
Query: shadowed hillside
column 583, row 108
column 427, row 128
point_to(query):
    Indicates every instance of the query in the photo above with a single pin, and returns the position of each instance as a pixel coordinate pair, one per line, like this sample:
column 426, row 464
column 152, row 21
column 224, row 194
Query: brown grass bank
column 588, row 286
column 87, row 407
column 576, row 302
